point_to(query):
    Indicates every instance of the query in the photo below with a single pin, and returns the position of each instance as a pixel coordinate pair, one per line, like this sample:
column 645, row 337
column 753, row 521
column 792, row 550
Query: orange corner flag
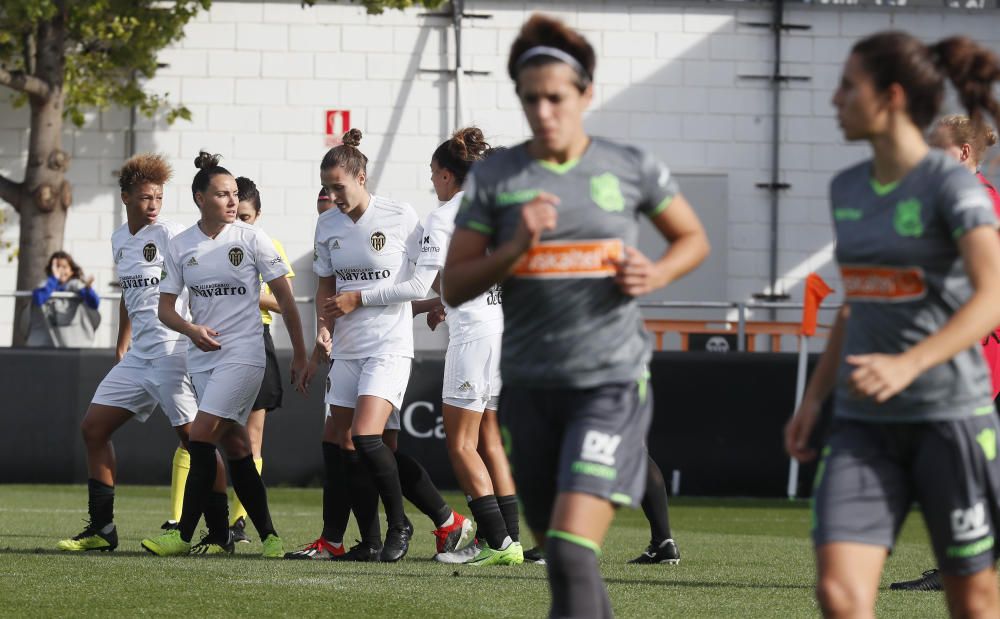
column 816, row 291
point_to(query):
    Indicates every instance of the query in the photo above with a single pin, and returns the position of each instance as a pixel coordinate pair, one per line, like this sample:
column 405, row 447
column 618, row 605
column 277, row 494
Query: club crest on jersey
column 606, row 193
column 378, row 241
column 236, row 256
column 149, row 252
column 907, row 220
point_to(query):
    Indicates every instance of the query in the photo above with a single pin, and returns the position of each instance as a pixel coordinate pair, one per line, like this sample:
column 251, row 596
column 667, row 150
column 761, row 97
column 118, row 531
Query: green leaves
column 109, row 48
column 377, row 7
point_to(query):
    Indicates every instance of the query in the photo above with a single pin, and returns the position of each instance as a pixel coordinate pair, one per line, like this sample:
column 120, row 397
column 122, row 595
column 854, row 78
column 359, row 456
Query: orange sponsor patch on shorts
column 883, row 284
column 571, row 259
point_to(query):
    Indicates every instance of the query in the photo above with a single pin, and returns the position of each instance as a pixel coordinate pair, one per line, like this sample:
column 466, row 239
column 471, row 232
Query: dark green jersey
column 566, row 322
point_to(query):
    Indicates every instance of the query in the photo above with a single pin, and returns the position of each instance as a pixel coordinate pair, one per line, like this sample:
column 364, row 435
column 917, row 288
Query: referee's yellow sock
column 178, row 479
column 238, row 510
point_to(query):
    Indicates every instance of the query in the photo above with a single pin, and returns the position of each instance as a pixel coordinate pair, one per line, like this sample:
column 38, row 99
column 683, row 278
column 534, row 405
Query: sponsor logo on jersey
column 138, row 281
column 969, row 524
column 571, row 259
column 425, row 246
column 495, row 295
column 149, row 252
column 355, row 274
column 847, row 214
column 906, row 220
column 883, row 284
column 192, row 262
column 336, row 244
column 378, row 241
column 606, row 192
column 274, row 261
column 217, row 290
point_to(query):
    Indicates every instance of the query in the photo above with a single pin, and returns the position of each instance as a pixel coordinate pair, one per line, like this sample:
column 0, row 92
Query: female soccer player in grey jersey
column 555, row 220
column 920, row 264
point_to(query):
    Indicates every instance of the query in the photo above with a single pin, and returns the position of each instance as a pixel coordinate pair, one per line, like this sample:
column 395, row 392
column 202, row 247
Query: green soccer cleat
column 513, row 554
column 273, row 547
column 91, row 539
column 168, row 544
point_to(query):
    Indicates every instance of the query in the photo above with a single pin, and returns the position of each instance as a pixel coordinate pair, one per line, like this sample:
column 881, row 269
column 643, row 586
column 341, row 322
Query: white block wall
column 259, row 75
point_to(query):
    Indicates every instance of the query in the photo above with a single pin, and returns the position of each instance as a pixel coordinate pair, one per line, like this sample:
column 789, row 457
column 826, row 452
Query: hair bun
column 352, row 138
column 469, row 143
column 989, row 136
column 206, row 161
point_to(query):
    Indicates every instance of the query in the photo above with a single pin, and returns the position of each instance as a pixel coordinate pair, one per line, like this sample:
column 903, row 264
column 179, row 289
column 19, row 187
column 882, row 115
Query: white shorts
column 138, row 385
column 382, row 377
column 228, row 390
column 472, row 374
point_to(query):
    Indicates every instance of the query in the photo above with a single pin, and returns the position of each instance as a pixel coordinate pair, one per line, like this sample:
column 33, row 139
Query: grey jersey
column 566, row 323
column 903, row 278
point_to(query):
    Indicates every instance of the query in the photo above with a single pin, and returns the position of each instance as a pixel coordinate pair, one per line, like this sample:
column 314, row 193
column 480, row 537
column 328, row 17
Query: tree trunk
column 45, row 193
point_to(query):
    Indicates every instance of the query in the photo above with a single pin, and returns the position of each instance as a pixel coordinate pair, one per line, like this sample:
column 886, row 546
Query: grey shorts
column 576, row 440
column 872, row 473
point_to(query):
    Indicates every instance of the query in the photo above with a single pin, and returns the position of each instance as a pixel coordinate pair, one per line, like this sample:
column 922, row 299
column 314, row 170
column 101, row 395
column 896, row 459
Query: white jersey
column 378, row 250
column 139, row 262
column 223, row 277
column 474, row 319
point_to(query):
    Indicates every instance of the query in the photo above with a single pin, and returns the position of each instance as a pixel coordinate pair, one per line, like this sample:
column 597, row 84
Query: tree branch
column 10, row 192
column 25, row 83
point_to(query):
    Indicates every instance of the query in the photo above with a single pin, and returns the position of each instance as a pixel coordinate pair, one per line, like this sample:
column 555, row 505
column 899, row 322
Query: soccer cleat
column 664, row 552
column 239, row 531
column 534, row 555
column 273, row 547
column 455, row 535
column 928, row 581
column 170, row 524
column 362, row 552
column 318, row 550
column 168, row 544
column 209, row 547
column 462, row 555
column 91, row 539
column 513, row 554
column 397, row 542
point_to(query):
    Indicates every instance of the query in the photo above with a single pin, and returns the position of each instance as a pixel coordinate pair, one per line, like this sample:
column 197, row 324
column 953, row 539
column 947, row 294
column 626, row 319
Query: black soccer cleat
column 397, row 542
column 362, row 552
column 534, row 555
column 928, row 581
column 664, row 552
column 214, row 546
column 239, row 531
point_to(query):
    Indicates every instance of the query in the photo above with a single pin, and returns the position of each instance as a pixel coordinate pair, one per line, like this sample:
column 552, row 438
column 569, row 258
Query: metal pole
column 457, row 8
column 779, row 9
column 800, row 388
column 741, row 326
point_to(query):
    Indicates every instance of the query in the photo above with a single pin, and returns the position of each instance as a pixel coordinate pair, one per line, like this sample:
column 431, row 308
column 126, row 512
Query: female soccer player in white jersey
column 555, row 220
column 472, row 365
column 367, row 242
column 153, row 371
column 913, row 419
column 221, row 262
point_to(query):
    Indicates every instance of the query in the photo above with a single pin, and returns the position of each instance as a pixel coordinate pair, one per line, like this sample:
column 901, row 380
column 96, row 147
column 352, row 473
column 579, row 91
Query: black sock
column 654, row 503
column 508, row 507
column 217, row 515
column 250, row 489
column 364, row 498
column 382, row 464
column 100, row 503
column 201, row 476
column 575, row 580
column 420, row 490
column 489, row 521
column 336, row 495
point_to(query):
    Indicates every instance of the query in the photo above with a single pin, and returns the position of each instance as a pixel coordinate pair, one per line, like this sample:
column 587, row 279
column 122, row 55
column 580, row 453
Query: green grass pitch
column 740, row 558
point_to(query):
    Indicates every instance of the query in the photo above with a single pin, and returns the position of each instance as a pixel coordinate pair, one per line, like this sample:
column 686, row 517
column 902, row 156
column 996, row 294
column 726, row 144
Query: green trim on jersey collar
column 558, row 168
column 883, row 190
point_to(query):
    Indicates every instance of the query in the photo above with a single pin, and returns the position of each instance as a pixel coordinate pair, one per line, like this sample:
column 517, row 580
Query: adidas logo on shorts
column 465, row 386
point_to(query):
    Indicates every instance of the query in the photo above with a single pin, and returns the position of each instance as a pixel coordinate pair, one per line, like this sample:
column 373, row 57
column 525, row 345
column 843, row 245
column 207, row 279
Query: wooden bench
column 660, row 326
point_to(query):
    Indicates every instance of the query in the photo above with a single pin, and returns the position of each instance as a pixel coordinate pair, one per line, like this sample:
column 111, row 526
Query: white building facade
column 268, row 83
